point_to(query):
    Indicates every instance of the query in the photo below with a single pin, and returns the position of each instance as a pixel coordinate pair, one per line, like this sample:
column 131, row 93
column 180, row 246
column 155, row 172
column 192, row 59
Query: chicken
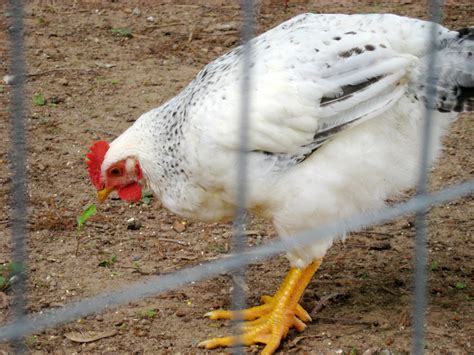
column 335, row 129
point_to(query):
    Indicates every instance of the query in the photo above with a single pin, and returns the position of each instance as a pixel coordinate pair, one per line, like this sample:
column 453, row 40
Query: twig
column 90, row 130
column 225, row 33
column 376, row 233
column 188, row 5
column 386, row 289
column 72, row 12
column 139, row 270
column 220, row 256
column 345, row 321
column 296, row 340
column 251, row 232
column 172, row 241
column 171, row 24
column 49, row 71
column 324, row 301
column 365, row 326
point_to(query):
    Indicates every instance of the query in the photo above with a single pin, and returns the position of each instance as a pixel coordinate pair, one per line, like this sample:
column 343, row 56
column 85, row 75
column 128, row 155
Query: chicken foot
column 269, row 323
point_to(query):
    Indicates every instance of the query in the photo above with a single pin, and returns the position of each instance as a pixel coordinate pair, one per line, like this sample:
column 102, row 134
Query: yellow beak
column 102, row 194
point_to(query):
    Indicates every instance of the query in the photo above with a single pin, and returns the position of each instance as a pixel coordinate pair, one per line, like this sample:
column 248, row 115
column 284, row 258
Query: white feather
column 303, row 77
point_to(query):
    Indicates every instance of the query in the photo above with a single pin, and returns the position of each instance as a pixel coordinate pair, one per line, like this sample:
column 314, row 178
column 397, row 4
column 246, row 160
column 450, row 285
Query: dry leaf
column 89, row 337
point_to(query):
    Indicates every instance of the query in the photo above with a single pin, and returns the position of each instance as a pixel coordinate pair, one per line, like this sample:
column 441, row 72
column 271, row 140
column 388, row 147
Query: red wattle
column 131, row 192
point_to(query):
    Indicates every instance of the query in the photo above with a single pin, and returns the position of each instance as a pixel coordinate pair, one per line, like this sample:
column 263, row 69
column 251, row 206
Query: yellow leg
column 269, row 323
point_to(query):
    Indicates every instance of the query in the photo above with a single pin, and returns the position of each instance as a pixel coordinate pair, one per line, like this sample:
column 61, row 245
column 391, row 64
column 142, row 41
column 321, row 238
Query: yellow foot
column 269, row 323
column 256, row 312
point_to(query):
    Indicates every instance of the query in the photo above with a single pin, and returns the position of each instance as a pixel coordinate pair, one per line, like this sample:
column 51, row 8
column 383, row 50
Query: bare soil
column 96, row 80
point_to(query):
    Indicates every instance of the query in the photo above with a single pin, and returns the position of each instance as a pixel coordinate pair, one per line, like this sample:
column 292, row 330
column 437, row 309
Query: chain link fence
column 23, row 324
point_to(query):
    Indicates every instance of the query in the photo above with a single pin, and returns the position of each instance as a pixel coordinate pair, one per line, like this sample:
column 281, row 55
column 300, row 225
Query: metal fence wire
column 23, row 324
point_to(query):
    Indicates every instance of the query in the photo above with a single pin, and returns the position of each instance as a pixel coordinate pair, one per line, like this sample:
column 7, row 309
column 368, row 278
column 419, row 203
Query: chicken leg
column 269, row 323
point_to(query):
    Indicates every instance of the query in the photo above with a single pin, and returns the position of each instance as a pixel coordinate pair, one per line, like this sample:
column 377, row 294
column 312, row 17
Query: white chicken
column 335, row 129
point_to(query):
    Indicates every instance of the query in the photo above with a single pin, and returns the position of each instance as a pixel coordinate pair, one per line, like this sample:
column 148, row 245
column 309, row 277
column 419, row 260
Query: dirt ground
column 93, row 68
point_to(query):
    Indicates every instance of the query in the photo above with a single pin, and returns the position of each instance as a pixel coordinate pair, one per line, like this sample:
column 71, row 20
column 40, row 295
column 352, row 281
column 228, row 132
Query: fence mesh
column 239, row 237
column 421, row 253
column 23, row 324
column 18, row 164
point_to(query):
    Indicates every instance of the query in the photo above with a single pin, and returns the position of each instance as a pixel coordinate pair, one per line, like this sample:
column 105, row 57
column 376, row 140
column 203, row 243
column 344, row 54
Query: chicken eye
column 115, row 172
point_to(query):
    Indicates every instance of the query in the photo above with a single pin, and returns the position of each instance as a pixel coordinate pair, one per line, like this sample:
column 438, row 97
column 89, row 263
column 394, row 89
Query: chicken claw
column 270, row 322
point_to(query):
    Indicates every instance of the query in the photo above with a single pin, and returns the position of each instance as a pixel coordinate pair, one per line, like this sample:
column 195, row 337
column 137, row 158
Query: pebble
column 8, row 79
column 179, row 226
column 133, row 224
column 380, row 245
column 136, row 11
column 141, row 333
column 180, row 314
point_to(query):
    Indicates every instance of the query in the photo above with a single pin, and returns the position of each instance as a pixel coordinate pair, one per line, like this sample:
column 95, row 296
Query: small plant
column 42, row 22
column 460, row 285
column 3, row 283
column 7, row 272
column 108, row 262
column 434, row 266
column 31, row 340
column 217, row 248
column 122, row 31
column 88, row 212
column 39, row 100
column 147, row 197
column 147, row 313
column 81, row 219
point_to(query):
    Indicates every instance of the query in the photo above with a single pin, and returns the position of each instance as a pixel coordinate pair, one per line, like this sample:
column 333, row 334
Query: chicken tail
column 453, row 75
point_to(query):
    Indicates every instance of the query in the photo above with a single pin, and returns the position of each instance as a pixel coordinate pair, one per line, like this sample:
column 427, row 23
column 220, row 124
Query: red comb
column 95, row 158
